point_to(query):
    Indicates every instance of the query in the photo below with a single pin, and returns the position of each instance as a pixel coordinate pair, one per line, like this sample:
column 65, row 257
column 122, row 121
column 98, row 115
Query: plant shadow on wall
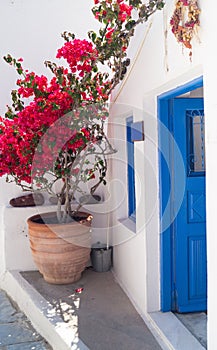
column 53, row 135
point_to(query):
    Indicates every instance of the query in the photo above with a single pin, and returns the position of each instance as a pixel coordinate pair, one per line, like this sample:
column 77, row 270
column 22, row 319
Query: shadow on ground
column 97, row 311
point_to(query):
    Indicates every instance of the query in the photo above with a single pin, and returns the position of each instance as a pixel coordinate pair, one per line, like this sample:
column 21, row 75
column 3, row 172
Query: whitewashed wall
column 161, row 64
column 210, row 76
column 32, row 30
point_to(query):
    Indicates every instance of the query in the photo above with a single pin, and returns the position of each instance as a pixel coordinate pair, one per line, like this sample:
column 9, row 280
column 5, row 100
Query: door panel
column 189, row 231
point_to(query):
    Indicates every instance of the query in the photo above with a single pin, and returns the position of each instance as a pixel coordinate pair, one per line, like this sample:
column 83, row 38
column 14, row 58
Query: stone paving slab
column 30, row 346
column 16, row 331
column 7, row 312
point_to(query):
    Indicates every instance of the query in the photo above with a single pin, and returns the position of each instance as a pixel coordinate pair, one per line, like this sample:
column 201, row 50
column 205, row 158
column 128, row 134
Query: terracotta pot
column 60, row 251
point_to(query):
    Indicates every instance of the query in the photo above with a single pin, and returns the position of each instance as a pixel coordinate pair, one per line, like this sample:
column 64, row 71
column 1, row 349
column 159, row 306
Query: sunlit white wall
column 161, row 64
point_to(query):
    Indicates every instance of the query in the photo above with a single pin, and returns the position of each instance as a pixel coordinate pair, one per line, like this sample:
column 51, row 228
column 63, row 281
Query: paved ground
column 16, row 331
column 98, row 310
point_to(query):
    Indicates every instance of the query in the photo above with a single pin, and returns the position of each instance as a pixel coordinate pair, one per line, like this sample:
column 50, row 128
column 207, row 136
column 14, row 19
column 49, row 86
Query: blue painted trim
column 130, row 171
column 166, row 251
column 137, row 131
column 192, row 85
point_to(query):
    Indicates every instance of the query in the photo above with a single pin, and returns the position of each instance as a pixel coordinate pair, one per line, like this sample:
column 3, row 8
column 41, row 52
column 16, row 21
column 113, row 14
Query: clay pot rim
column 51, row 214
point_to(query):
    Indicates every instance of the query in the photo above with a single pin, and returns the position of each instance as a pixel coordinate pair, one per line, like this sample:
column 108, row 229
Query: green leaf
column 135, row 2
column 160, row 5
column 8, row 58
column 55, row 106
column 92, row 35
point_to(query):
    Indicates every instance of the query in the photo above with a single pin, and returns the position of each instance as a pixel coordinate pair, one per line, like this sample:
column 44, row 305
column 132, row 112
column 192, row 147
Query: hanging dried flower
column 185, row 21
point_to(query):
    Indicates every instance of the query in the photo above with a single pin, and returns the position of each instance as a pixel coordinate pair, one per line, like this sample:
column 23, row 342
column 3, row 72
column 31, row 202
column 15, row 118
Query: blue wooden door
column 189, row 230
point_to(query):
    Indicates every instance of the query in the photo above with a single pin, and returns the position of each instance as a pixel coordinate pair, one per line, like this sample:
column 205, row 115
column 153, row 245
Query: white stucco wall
column 32, row 30
column 210, row 75
column 161, row 65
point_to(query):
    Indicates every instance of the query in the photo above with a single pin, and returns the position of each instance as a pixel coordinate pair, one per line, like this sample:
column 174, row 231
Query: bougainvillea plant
column 54, row 131
column 185, row 21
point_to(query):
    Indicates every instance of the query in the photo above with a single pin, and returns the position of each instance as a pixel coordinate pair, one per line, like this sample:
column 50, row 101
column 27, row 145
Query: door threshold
column 173, row 332
column 196, row 323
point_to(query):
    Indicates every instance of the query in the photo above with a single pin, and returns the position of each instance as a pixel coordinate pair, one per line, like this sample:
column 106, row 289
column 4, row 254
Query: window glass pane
column 196, row 141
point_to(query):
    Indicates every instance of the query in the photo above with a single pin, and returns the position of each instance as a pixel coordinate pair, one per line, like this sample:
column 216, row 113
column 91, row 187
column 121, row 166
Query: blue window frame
column 130, row 171
column 196, row 162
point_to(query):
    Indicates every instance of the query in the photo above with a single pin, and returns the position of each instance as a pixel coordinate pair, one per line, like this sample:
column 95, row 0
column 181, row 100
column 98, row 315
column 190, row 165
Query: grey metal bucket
column 101, row 258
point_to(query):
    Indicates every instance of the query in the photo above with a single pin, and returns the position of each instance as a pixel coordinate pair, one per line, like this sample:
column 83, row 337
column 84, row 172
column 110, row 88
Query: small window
column 130, row 171
column 196, row 142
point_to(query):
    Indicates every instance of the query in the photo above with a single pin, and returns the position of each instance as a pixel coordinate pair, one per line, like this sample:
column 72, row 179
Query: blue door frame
column 164, row 101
